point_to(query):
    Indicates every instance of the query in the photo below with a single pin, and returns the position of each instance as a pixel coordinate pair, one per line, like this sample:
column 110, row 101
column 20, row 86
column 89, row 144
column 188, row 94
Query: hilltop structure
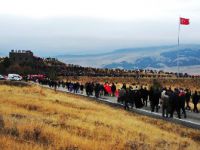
column 21, row 56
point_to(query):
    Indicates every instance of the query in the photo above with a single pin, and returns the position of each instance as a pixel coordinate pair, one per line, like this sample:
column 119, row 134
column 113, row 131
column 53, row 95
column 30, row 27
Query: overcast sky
column 52, row 27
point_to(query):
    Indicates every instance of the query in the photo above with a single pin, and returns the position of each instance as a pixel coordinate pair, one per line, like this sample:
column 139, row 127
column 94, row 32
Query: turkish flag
column 184, row 21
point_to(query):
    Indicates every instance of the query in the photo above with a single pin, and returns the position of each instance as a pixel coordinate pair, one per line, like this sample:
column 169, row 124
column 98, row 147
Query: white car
column 2, row 77
column 14, row 77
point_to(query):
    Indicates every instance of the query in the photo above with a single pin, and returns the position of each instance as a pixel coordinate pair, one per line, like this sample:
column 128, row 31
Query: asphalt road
column 192, row 120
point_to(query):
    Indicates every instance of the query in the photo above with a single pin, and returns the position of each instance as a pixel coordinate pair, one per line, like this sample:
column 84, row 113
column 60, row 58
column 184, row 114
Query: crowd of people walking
column 170, row 101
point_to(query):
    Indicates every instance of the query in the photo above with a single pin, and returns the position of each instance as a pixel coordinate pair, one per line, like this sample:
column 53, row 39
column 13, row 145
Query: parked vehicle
column 14, row 77
column 35, row 77
column 2, row 77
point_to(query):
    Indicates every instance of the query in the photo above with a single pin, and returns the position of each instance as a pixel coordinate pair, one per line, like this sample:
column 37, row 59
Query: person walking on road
column 155, row 100
column 113, row 89
column 195, row 100
column 182, row 101
column 165, row 103
column 187, row 98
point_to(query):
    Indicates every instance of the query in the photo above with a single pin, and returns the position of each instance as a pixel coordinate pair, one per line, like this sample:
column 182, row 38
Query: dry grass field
column 32, row 117
column 193, row 84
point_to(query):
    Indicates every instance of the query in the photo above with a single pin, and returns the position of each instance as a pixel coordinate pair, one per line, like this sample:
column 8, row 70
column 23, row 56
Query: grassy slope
column 36, row 118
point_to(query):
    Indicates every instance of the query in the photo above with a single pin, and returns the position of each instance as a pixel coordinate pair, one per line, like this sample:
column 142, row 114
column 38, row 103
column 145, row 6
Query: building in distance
column 21, row 56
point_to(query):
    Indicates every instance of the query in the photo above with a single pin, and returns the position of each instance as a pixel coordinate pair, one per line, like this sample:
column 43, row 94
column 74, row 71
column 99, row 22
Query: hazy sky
column 51, row 27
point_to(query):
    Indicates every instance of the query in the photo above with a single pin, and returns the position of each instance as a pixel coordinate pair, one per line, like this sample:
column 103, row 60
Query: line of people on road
column 169, row 100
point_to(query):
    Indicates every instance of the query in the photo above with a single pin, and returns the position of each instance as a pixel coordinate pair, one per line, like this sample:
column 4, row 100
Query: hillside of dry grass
column 32, row 117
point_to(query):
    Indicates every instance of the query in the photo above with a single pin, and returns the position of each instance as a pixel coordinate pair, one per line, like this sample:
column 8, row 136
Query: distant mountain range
column 162, row 58
column 2, row 54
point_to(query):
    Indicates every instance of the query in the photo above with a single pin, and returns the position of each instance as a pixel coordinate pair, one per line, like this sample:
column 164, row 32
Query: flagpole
column 179, row 28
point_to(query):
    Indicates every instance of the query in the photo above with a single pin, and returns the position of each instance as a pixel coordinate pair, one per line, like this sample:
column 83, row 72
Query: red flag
column 184, row 21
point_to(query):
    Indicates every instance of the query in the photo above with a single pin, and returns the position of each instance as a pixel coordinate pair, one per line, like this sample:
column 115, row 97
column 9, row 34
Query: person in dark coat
column 124, row 86
column 122, row 95
column 97, row 90
column 63, row 84
column 113, row 89
column 131, row 96
column 144, row 94
column 67, row 85
column 155, row 99
column 169, row 93
column 81, row 88
column 101, row 90
column 71, row 87
column 195, row 100
column 91, row 88
column 59, row 83
column 182, row 101
column 75, row 86
column 138, row 99
column 150, row 93
column 55, row 84
column 174, row 102
column 126, row 100
column 87, row 88
column 187, row 99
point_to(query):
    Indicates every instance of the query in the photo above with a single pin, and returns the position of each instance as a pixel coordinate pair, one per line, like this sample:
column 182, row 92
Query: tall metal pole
column 179, row 28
